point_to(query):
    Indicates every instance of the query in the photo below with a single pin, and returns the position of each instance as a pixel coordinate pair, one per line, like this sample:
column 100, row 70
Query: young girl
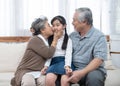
column 60, row 64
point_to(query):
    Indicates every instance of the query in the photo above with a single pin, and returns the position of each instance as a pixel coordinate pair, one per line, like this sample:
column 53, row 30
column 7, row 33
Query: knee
column 50, row 78
column 28, row 80
column 28, row 83
column 41, row 81
column 94, row 78
column 91, row 78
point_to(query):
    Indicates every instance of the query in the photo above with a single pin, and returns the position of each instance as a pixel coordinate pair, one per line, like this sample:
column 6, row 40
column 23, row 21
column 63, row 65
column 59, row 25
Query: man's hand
column 76, row 76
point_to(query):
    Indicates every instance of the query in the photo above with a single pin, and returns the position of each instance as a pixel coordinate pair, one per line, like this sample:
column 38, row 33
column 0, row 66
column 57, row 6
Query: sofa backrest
column 11, row 51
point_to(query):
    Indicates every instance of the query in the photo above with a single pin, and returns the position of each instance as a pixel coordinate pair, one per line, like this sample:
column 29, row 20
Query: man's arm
column 95, row 63
column 78, row 74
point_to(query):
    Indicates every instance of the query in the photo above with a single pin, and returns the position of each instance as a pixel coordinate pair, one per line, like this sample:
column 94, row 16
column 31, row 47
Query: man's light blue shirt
column 85, row 49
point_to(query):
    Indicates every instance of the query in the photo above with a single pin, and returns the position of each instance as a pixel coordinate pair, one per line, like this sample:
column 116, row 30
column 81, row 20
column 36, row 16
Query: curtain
column 7, row 19
column 94, row 5
column 115, row 17
column 16, row 16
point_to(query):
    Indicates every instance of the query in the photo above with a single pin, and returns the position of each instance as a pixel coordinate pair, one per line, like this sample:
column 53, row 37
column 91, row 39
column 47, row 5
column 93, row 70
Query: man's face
column 76, row 23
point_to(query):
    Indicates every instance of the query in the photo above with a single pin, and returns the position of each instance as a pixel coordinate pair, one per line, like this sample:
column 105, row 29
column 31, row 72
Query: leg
column 82, row 81
column 28, row 80
column 64, row 81
column 95, row 78
column 58, row 80
column 50, row 79
column 41, row 80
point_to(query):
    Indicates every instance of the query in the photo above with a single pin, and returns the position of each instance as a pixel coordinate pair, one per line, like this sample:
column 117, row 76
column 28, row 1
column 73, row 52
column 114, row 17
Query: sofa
column 12, row 50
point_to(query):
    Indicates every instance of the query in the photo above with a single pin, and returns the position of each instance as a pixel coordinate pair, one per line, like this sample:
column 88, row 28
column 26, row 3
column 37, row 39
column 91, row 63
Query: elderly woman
column 37, row 52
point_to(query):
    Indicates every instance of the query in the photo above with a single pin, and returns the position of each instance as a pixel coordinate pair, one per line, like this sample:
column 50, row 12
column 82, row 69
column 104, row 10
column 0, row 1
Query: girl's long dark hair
column 65, row 40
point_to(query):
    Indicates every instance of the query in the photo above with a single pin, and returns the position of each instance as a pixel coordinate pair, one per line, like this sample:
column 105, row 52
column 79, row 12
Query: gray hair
column 38, row 24
column 85, row 14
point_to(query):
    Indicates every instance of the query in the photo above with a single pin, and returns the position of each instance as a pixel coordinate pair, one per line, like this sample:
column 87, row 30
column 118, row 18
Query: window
column 115, row 17
column 16, row 16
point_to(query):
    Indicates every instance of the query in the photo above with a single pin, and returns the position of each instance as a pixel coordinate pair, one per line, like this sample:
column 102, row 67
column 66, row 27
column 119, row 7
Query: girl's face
column 58, row 26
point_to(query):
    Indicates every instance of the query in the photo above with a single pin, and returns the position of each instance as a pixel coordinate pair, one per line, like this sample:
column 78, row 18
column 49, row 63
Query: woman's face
column 48, row 30
column 58, row 26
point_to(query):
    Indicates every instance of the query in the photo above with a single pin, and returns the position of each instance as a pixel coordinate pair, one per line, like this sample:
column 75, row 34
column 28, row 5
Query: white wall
column 115, row 46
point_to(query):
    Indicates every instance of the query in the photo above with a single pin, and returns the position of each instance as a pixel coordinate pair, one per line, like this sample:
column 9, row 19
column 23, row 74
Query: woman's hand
column 43, row 71
column 58, row 33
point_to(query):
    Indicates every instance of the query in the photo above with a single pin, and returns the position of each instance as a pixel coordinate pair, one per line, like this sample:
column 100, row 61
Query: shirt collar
column 44, row 40
column 90, row 32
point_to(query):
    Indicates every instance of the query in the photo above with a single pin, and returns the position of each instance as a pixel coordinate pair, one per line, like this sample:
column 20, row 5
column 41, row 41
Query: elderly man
column 89, row 50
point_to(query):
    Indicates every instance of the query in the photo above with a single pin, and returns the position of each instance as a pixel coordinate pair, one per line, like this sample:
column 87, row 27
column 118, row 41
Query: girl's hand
column 68, row 70
column 43, row 71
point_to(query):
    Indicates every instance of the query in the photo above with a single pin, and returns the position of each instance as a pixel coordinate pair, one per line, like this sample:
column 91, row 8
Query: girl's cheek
column 53, row 29
column 59, row 28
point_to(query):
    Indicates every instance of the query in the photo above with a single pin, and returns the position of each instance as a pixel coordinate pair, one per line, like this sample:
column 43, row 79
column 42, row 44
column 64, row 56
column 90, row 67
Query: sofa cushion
column 10, row 55
column 5, row 78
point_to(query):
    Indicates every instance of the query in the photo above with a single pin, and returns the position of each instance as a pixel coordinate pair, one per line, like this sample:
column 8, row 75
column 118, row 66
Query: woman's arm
column 37, row 45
